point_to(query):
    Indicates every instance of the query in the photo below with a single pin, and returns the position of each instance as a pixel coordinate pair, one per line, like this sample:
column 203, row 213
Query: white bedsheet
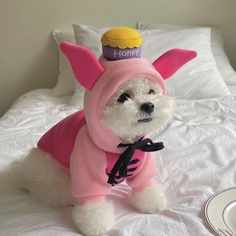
column 199, row 159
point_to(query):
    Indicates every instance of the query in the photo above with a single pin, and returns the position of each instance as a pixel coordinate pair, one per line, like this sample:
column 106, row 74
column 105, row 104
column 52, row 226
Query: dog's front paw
column 93, row 219
column 151, row 200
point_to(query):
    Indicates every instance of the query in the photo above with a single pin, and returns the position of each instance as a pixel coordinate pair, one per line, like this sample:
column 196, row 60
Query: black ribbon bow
column 121, row 165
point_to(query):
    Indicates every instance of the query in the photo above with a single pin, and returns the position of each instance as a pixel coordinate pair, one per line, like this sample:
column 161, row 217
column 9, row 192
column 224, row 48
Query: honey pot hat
column 121, row 43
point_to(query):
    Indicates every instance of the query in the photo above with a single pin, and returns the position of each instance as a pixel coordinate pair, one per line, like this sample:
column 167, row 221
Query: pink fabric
column 172, row 60
column 59, row 140
column 84, row 145
column 88, row 164
column 88, row 69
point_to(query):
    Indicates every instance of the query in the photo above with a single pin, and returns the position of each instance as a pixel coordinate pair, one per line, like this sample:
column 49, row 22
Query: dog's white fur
column 150, row 200
column 94, row 218
column 43, row 177
column 50, row 184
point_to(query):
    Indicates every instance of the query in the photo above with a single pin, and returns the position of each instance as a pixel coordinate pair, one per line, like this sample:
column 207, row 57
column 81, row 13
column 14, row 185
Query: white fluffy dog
column 120, row 108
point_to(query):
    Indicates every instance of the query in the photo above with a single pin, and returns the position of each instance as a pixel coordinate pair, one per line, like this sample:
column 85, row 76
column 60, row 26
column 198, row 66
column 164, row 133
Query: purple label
column 118, row 54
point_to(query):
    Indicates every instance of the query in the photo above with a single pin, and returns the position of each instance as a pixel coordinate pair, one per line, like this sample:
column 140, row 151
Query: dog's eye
column 123, row 97
column 151, row 91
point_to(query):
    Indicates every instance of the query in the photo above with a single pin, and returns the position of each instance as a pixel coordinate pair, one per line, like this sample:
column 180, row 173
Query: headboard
column 28, row 53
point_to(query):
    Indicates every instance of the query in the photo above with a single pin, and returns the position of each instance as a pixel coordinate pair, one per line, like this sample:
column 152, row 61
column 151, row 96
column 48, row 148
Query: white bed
column 199, row 156
column 199, row 159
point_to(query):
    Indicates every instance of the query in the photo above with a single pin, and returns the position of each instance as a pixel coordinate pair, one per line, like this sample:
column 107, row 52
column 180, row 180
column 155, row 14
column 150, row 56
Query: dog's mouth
column 145, row 120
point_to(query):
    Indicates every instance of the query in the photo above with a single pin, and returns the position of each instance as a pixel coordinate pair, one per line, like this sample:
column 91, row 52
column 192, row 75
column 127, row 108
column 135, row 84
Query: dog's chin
column 148, row 124
column 143, row 126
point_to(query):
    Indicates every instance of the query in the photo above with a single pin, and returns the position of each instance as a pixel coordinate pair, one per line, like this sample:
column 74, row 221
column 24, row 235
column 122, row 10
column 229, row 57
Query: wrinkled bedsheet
column 199, row 159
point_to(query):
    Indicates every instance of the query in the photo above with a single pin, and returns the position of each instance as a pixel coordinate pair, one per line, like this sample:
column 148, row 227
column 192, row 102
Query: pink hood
column 115, row 74
column 102, row 79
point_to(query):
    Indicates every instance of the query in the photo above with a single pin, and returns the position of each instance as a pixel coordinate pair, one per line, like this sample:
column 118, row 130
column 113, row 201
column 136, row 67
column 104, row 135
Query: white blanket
column 199, row 159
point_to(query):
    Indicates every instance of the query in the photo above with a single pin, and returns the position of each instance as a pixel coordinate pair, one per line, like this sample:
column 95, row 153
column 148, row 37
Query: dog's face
column 137, row 108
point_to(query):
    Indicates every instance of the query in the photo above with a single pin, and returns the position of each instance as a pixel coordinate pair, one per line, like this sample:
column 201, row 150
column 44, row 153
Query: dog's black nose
column 147, row 107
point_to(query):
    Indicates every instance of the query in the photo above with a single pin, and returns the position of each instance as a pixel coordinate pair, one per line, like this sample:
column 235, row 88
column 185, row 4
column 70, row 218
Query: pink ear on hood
column 84, row 63
column 172, row 60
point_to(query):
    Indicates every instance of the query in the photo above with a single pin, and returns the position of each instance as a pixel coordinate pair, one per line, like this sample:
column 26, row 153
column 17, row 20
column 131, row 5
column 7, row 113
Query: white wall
column 28, row 55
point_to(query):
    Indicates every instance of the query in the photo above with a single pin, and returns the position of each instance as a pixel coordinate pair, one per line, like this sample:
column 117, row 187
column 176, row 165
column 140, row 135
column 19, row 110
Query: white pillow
column 217, row 46
column 199, row 78
column 66, row 81
column 89, row 37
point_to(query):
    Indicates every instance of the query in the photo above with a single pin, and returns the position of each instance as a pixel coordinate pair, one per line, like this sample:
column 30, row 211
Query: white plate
column 220, row 212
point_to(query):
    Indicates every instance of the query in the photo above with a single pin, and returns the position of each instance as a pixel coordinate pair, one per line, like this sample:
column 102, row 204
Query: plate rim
column 213, row 229
column 224, row 212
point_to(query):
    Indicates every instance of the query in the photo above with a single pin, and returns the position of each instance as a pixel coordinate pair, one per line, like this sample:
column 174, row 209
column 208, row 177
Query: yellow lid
column 122, row 37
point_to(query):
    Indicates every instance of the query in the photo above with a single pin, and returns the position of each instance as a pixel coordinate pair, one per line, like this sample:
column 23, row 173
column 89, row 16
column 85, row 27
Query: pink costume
column 82, row 144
